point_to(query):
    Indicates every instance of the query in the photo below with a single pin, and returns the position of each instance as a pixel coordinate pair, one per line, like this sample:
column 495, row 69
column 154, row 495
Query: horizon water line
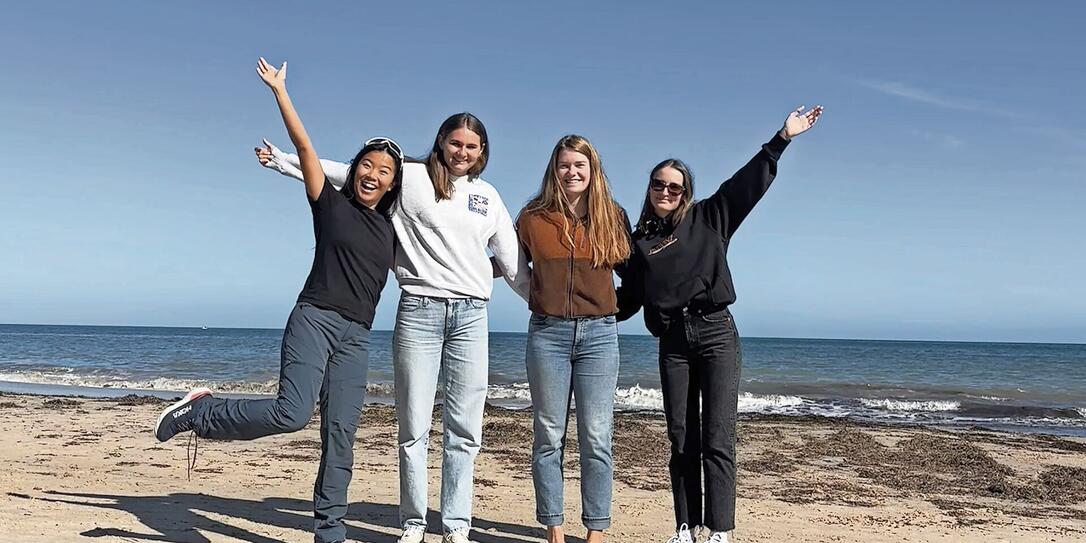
column 492, row 332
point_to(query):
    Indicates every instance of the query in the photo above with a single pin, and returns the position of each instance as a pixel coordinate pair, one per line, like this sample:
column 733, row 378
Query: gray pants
column 326, row 354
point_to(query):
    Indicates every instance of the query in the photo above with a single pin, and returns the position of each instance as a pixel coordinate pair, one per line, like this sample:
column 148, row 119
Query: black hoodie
column 686, row 265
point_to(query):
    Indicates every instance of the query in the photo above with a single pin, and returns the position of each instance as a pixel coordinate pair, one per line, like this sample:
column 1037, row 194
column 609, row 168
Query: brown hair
column 435, row 160
column 606, row 229
column 686, row 201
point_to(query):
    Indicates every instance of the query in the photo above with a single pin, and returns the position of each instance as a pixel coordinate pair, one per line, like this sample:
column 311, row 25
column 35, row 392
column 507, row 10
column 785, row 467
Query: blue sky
column 940, row 197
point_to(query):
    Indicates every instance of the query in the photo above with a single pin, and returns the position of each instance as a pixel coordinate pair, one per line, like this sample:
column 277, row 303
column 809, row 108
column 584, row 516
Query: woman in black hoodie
column 679, row 273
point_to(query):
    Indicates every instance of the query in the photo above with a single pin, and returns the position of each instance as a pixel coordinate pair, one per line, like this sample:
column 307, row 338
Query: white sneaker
column 718, row 537
column 682, row 535
column 459, row 536
column 412, row 534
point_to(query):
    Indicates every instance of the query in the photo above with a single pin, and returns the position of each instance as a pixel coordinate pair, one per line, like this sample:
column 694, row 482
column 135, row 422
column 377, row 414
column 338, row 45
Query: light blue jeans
column 577, row 357
column 449, row 336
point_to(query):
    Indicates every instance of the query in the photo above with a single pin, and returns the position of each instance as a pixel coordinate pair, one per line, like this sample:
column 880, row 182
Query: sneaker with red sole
column 178, row 417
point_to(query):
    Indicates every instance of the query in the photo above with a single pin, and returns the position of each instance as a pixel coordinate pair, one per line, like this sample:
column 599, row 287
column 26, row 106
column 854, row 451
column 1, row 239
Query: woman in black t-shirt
column 326, row 341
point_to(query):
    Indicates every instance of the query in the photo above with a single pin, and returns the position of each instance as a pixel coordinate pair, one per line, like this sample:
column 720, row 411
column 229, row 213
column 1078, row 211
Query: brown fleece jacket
column 564, row 282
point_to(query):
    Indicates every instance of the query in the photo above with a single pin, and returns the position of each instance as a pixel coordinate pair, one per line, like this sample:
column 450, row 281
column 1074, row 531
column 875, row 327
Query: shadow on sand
column 181, row 517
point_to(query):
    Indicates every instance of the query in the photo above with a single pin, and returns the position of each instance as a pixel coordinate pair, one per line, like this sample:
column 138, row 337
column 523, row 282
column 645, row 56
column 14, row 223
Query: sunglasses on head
column 388, row 143
column 674, row 189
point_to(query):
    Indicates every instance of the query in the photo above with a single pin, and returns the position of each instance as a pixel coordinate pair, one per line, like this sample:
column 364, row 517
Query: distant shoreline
column 493, row 332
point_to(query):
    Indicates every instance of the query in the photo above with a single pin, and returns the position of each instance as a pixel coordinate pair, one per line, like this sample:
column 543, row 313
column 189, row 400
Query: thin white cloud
column 946, row 141
column 952, row 142
column 915, row 94
column 1023, row 121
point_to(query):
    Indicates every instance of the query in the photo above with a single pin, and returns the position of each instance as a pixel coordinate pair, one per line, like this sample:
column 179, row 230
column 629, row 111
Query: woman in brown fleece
column 575, row 235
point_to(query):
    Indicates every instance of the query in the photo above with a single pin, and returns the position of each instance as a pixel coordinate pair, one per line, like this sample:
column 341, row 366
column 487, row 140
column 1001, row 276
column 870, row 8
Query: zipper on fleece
column 572, row 250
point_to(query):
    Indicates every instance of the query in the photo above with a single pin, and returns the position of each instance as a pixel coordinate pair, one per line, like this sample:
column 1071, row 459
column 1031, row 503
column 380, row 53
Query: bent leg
column 308, row 342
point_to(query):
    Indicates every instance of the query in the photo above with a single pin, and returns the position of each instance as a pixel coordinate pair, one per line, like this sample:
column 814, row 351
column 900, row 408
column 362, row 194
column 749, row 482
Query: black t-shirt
column 354, row 254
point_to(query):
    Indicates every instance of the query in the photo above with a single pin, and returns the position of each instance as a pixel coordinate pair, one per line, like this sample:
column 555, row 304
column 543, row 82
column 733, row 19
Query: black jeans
column 700, row 359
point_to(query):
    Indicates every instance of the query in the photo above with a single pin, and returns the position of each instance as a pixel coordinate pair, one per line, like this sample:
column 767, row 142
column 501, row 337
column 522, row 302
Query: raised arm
column 736, row 197
column 312, row 174
column 273, row 158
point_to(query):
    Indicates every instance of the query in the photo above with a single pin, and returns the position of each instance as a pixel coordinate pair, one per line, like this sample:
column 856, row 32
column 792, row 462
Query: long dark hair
column 435, row 160
column 686, row 201
column 385, row 205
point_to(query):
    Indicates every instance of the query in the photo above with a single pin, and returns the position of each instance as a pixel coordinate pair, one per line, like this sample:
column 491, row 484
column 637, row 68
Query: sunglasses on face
column 388, row 143
column 674, row 189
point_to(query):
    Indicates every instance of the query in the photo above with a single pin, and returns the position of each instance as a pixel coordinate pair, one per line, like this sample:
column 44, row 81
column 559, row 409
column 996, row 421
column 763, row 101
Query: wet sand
column 77, row 469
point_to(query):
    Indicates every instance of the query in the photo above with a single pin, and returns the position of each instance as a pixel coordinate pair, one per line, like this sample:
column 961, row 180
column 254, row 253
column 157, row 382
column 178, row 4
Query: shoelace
column 413, row 530
column 678, row 533
column 457, row 536
column 191, row 449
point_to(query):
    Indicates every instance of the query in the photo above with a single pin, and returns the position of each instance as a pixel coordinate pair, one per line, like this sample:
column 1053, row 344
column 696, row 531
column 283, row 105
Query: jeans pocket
column 717, row 317
column 538, row 320
column 409, row 303
column 476, row 303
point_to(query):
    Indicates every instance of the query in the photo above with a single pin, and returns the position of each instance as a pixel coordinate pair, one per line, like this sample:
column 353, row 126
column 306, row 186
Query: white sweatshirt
column 441, row 245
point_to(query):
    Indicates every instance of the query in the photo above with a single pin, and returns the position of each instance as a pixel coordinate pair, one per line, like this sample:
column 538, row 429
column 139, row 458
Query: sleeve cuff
column 776, row 145
column 327, row 193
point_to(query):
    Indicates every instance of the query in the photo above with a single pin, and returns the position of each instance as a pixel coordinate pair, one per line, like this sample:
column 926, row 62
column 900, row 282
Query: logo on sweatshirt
column 478, row 203
column 664, row 244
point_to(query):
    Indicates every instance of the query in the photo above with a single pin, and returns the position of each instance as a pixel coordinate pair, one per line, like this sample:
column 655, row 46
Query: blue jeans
column 449, row 336
column 325, row 357
column 579, row 357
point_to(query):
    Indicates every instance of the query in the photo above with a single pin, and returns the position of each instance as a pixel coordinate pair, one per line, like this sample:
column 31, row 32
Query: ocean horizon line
column 798, row 338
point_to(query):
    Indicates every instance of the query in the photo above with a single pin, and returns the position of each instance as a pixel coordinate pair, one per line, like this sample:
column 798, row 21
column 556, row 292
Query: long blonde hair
column 608, row 241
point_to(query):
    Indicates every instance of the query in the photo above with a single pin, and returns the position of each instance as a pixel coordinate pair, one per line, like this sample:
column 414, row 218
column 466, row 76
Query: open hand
column 799, row 121
column 273, row 78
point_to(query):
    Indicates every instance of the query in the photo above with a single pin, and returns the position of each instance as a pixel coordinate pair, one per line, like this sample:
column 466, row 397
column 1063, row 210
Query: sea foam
column 911, row 405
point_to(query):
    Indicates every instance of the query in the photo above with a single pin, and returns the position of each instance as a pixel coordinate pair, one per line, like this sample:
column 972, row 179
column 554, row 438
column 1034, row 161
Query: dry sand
column 76, row 469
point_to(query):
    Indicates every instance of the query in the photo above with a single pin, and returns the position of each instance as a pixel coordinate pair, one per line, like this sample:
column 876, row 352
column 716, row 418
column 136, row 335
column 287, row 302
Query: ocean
column 1021, row 387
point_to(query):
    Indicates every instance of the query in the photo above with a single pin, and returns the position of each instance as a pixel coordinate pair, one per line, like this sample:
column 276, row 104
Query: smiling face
column 373, row 177
column 461, row 150
column 574, row 172
column 664, row 201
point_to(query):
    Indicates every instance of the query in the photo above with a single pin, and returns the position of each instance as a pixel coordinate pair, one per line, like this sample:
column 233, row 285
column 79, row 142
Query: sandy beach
column 78, row 469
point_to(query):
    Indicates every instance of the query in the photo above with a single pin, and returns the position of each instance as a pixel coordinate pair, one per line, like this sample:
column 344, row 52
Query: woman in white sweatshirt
column 445, row 220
